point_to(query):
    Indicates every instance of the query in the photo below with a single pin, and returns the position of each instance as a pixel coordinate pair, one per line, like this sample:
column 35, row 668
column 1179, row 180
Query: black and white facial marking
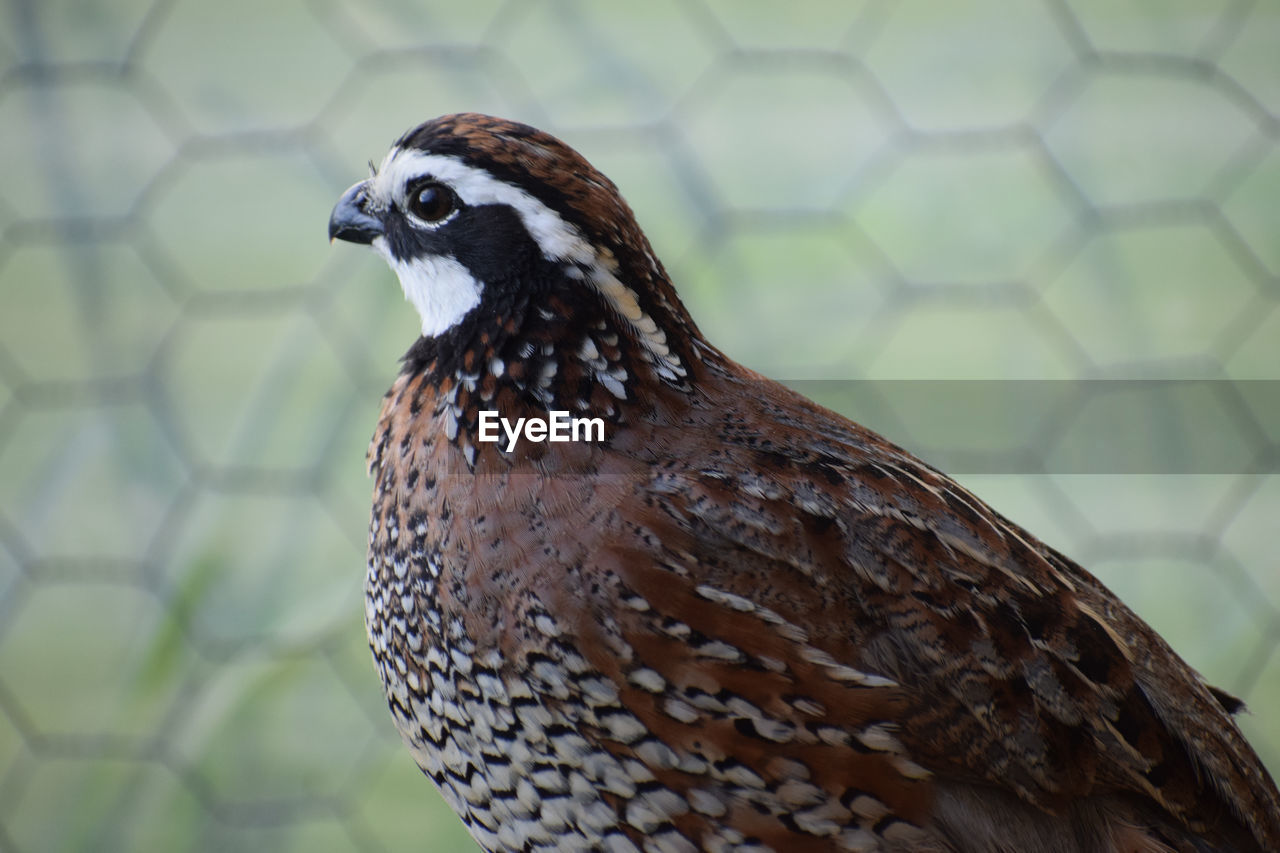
column 456, row 236
column 451, row 233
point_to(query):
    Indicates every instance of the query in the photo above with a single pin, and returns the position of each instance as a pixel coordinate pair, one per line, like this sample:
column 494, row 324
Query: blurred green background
column 977, row 190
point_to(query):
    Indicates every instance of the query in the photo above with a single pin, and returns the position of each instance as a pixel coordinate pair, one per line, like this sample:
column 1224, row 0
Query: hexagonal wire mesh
column 878, row 191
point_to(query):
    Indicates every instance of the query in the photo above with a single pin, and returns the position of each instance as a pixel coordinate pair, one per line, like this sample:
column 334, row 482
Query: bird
column 731, row 619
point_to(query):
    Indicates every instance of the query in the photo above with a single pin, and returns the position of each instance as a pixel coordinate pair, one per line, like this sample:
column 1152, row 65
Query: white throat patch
column 440, row 288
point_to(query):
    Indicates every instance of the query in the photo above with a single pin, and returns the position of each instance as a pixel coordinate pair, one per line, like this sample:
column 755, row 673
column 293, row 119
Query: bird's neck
column 573, row 346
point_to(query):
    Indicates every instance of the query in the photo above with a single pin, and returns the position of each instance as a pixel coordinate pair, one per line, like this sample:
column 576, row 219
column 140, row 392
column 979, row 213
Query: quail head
column 624, row 594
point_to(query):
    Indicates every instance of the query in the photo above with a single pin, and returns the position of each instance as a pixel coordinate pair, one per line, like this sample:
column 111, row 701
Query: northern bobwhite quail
column 735, row 621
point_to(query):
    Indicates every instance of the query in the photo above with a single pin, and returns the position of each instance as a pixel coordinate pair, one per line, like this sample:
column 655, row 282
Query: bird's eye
column 432, row 202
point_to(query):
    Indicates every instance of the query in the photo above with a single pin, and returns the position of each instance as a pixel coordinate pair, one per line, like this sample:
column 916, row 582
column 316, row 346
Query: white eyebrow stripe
column 558, row 240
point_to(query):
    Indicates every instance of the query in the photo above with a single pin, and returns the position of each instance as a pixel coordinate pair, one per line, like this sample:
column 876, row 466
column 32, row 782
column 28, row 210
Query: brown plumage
column 740, row 621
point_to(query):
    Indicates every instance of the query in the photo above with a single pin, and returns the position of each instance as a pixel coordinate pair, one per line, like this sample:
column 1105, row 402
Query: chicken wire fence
column 1036, row 243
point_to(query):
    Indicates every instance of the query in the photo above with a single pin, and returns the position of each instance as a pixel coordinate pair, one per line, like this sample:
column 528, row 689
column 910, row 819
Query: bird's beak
column 349, row 220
